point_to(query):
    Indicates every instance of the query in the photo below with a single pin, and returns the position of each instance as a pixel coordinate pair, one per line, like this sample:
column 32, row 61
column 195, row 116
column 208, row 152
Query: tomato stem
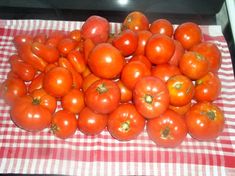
column 148, row 99
column 125, row 126
column 178, row 85
column 211, row 115
column 165, row 132
column 101, row 88
column 36, row 101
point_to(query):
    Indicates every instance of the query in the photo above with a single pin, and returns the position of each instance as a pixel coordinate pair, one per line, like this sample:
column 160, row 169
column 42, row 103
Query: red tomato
column 162, row 26
column 125, row 123
column 64, row 124
column 96, row 28
column 165, row 71
column 211, row 52
column 110, row 60
column 103, row 96
column 88, row 81
column 29, row 115
column 178, row 54
column 54, row 38
column 88, row 46
column 132, row 72
column 151, row 97
column 193, row 65
column 126, row 42
column 77, row 60
column 143, row 37
column 207, row 88
column 91, row 123
column 188, row 34
column 167, row 130
column 181, row 90
column 86, row 72
column 75, row 35
column 126, row 94
column 40, row 38
column 142, row 59
column 36, row 83
column 205, row 121
column 66, row 45
column 181, row 110
column 159, row 48
column 135, row 21
column 57, row 81
column 22, row 39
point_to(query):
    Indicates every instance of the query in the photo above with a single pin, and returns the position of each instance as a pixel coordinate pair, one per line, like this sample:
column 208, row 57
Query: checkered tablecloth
column 42, row 153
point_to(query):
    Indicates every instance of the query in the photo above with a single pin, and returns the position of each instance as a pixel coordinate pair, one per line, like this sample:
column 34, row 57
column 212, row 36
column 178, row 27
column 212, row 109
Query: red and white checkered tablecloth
column 42, row 153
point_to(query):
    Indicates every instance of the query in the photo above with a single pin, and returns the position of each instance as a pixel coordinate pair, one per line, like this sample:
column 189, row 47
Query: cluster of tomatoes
column 147, row 75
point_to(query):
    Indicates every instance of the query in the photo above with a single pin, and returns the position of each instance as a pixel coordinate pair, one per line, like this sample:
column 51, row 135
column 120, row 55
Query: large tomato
column 103, row 96
column 125, row 123
column 150, row 97
column 106, row 61
column 143, row 59
column 205, row 121
column 162, row 26
column 28, row 114
column 167, row 130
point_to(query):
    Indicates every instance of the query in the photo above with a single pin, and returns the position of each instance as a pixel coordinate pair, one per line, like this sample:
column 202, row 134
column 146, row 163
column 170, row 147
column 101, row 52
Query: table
column 42, row 153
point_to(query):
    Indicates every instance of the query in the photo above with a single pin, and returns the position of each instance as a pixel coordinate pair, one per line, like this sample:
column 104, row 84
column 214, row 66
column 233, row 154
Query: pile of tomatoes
column 149, row 74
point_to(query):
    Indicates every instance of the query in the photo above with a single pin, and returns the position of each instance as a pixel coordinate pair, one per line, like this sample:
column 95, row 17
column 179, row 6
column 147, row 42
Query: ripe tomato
column 135, row 21
column 188, row 34
column 57, row 81
column 211, row 52
column 125, row 123
column 88, row 46
column 143, row 37
column 159, row 48
column 22, row 39
column 110, row 60
column 36, row 83
column 205, row 121
column 40, row 38
column 73, row 101
column 126, row 94
column 64, row 124
column 77, row 60
column 181, row 90
column 75, row 35
column 165, row 71
column 54, row 38
column 178, row 54
column 103, row 96
column 207, row 88
column 167, row 130
column 66, row 45
column 132, row 72
column 126, row 42
column 96, row 28
column 142, row 59
column 91, row 123
column 88, row 81
column 181, row 110
column 29, row 115
column 193, row 65
column 150, row 96
column 162, row 26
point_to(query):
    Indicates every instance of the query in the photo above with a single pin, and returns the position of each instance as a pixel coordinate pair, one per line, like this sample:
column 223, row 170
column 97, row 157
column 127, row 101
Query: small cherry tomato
column 66, row 45
column 126, row 94
column 36, row 83
column 40, row 38
column 77, row 60
column 54, row 38
column 22, row 39
column 75, row 35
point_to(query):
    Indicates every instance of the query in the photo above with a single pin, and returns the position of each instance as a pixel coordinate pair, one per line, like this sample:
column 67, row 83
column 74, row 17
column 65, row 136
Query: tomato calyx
column 198, row 82
column 36, row 101
column 210, row 114
column 125, row 126
column 148, row 98
column 199, row 56
column 178, row 85
column 54, row 128
column 165, row 133
column 102, row 88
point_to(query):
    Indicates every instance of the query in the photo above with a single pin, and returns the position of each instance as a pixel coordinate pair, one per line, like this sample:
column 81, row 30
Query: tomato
column 135, row 21
column 54, row 38
column 73, row 101
column 211, row 52
column 88, row 81
column 167, row 130
column 181, row 110
column 165, row 71
column 96, row 28
column 91, row 123
column 125, row 123
column 159, row 48
column 132, row 72
column 77, row 60
column 162, row 26
column 40, row 38
column 126, row 94
column 88, row 46
column 103, row 96
column 181, row 90
column 126, row 42
column 110, row 60
column 57, row 81
column 22, row 39
column 75, row 35
column 44, row 99
column 13, row 88
column 11, row 74
column 205, row 121
column 86, row 72
column 142, row 59
column 188, row 34
column 36, row 83
column 28, row 114
column 207, row 88
column 64, row 124
column 178, row 54
column 143, row 37
column 193, row 65
column 151, row 97
column 66, row 45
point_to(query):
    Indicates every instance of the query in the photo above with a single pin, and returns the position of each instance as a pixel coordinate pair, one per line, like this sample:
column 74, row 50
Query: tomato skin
column 162, row 26
column 88, row 81
column 29, row 115
column 181, row 90
column 36, row 83
column 96, row 28
column 40, row 38
column 142, row 59
column 159, row 48
column 181, row 110
column 143, row 37
column 75, row 35
column 66, row 45
column 126, row 94
column 77, row 60
column 64, row 124
column 103, row 96
column 167, row 130
column 205, row 121
column 88, row 46
column 207, row 88
column 178, row 54
column 188, row 34
column 22, row 39
column 125, row 123
column 91, row 123
column 54, row 38
column 150, row 96
column 110, row 60
column 57, row 81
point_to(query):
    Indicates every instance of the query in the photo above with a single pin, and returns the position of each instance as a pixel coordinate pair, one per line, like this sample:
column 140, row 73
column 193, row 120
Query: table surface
column 42, row 153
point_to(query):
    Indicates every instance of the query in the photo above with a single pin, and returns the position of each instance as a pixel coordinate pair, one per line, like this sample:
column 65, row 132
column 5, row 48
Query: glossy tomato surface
column 162, row 26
